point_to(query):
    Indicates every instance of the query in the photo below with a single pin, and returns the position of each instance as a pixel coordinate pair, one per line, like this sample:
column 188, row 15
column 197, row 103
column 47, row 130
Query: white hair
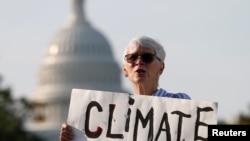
column 147, row 42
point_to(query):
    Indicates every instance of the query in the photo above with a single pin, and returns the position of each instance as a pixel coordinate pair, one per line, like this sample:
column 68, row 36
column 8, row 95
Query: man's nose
column 139, row 60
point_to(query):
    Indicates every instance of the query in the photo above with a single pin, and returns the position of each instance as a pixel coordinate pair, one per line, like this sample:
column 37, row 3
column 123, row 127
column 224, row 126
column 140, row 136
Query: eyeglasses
column 146, row 57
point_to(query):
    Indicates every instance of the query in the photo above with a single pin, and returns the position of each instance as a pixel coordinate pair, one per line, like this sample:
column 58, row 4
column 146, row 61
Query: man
column 143, row 64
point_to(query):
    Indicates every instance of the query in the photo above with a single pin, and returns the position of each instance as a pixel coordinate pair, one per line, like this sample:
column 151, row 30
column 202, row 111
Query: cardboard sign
column 102, row 115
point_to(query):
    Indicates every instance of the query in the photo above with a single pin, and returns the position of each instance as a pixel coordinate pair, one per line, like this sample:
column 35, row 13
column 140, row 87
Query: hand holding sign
column 66, row 133
column 78, row 135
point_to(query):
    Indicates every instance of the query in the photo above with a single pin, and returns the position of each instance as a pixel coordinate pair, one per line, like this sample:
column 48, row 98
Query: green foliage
column 13, row 113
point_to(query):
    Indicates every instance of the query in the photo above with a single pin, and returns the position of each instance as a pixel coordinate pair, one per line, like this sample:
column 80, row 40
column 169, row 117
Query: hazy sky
column 207, row 42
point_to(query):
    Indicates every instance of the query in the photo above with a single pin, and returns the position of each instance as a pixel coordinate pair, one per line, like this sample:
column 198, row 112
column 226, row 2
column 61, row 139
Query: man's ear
column 125, row 72
column 162, row 67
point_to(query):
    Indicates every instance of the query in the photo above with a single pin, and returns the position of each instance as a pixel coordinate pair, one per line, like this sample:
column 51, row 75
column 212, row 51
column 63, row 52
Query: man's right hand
column 66, row 133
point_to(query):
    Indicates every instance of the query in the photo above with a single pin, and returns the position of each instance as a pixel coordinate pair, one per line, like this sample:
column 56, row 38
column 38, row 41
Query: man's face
column 142, row 72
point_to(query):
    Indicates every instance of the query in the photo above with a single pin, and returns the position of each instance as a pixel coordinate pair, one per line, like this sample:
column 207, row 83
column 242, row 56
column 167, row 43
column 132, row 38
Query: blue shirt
column 162, row 93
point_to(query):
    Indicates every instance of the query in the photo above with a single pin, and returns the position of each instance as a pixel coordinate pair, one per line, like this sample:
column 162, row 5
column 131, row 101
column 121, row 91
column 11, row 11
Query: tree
column 13, row 113
column 244, row 118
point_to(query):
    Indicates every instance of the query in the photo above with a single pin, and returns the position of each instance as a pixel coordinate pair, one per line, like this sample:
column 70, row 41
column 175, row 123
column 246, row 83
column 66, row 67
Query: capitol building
column 78, row 56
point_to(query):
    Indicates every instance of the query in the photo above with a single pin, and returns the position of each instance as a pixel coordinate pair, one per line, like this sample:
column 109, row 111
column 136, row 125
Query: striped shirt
column 162, row 93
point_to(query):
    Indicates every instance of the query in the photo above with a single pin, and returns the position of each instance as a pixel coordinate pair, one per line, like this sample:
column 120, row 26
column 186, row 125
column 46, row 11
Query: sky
column 207, row 43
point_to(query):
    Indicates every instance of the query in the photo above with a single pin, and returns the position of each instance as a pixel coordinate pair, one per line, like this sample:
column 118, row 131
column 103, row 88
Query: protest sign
column 101, row 115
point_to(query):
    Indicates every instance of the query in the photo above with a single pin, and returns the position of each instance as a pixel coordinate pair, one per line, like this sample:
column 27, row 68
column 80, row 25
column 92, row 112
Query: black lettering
column 109, row 134
column 98, row 132
column 131, row 101
column 144, row 122
column 198, row 123
column 127, row 120
column 164, row 120
column 181, row 115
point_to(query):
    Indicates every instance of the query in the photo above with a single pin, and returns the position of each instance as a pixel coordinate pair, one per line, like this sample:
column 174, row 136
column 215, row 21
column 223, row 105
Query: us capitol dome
column 78, row 56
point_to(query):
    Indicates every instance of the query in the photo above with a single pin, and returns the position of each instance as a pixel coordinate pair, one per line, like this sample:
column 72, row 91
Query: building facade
column 78, row 56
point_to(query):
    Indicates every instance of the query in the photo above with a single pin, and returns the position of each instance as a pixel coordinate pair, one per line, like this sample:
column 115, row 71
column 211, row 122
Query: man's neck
column 144, row 90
